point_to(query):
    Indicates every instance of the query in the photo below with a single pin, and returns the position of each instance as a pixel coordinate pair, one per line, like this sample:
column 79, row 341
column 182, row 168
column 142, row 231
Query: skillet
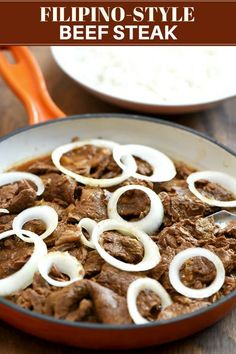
column 44, row 134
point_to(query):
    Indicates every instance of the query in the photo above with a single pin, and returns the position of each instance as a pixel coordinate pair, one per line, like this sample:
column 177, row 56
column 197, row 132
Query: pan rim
column 115, row 327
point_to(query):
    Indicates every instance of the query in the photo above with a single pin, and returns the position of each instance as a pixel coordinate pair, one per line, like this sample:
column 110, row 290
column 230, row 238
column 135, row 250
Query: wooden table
column 219, row 123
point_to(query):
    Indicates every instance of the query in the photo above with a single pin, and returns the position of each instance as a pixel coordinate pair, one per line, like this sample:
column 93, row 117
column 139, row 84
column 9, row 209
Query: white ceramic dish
column 64, row 58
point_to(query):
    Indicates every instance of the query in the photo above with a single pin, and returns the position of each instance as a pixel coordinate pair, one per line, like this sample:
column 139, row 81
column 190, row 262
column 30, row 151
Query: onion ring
column 88, row 224
column 177, row 263
column 45, row 213
column 151, row 222
column 65, row 263
column 163, row 167
column 129, row 163
column 4, row 211
column 223, row 179
column 139, row 285
column 12, row 177
column 23, row 277
column 151, row 251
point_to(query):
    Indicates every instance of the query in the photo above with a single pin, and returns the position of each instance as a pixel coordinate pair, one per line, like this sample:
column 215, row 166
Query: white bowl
column 67, row 62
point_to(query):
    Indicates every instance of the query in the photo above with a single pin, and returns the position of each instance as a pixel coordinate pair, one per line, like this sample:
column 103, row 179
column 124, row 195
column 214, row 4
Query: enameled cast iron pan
column 26, row 80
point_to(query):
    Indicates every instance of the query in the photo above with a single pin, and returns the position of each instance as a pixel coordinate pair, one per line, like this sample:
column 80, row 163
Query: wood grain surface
column 219, row 123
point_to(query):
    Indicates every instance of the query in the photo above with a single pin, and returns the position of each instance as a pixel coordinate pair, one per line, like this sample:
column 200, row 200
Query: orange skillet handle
column 26, row 80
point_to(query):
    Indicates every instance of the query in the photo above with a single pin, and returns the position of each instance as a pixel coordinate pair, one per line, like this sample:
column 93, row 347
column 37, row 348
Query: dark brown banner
column 118, row 23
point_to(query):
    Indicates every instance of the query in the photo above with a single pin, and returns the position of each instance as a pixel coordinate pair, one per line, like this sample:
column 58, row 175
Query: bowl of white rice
column 156, row 79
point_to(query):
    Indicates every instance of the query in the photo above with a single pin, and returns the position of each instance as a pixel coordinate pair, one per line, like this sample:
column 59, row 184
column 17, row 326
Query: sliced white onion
column 151, row 251
column 4, row 211
column 23, row 277
column 182, row 257
column 129, row 163
column 223, row 179
column 44, row 213
column 163, row 167
column 65, row 263
column 12, row 177
column 139, row 285
column 151, row 222
column 87, row 224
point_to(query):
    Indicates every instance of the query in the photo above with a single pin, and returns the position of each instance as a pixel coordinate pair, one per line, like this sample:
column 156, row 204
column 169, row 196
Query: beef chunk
column 186, row 233
column 17, row 196
column 213, row 190
column 183, row 170
column 34, row 297
column 122, row 247
column 229, row 230
column 6, row 222
column 143, row 167
column 41, row 167
column 105, row 305
column 91, row 161
column 133, row 205
column 116, row 279
column 197, row 272
column 91, row 204
column 135, row 181
column 162, row 267
column 13, row 254
column 175, row 185
column 177, row 309
column 109, row 307
column 59, row 189
column 179, row 206
column 149, row 305
column 93, row 264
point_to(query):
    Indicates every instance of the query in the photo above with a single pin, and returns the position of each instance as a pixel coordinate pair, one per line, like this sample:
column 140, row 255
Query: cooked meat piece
column 186, row 233
column 116, row 279
column 183, row 170
column 13, row 254
column 40, row 166
column 167, row 255
column 197, row 272
column 133, row 205
column 59, row 189
column 34, row 297
column 179, row 206
column 177, row 309
column 229, row 285
column 178, row 236
column 143, row 167
column 175, row 185
column 66, row 300
column 122, row 247
column 17, row 196
column 65, row 237
column 91, row 161
column 36, row 226
column 213, row 190
column 93, row 264
column 91, row 204
column 108, row 307
column 149, row 305
column 228, row 231
column 135, row 181
column 6, row 222
column 227, row 256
